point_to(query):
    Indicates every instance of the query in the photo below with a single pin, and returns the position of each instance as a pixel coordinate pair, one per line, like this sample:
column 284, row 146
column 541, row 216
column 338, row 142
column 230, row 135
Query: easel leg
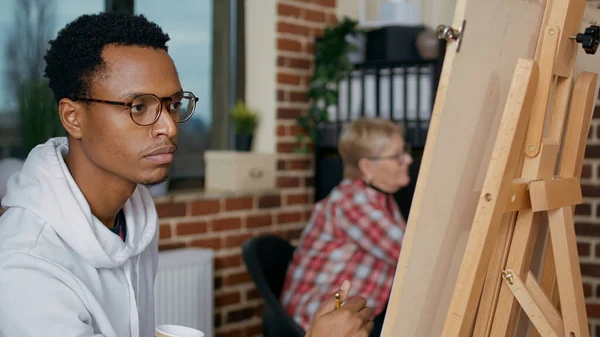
column 564, row 247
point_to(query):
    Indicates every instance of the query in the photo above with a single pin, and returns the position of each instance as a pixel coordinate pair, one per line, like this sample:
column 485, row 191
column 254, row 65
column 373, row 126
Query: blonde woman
column 356, row 232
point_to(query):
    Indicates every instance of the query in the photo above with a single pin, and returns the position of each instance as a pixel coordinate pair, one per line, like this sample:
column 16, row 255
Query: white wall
column 261, row 69
column 433, row 12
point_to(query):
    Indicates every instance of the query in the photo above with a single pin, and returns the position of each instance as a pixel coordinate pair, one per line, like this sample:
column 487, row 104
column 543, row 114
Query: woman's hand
column 353, row 319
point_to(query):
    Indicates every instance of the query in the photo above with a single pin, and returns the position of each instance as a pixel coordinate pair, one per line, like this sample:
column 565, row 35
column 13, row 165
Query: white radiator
column 183, row 290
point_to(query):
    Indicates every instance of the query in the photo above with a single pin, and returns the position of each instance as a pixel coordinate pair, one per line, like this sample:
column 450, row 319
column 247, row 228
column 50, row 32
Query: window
column 205, row 37
column 27, row 25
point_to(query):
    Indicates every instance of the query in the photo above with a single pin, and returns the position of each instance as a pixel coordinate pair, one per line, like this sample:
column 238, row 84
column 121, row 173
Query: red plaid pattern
column 354, row 234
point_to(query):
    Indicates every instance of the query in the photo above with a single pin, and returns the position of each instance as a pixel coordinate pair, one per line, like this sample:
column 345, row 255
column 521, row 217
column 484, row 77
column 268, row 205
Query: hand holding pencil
column 353, row 319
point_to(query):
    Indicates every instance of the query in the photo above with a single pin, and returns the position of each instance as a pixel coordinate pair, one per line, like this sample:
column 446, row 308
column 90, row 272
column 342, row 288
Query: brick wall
column 587, row 225
column 587, row 221
column 224, row 222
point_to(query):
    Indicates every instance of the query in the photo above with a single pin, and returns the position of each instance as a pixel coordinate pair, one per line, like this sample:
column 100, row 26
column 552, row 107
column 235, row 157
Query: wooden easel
column 534, row 173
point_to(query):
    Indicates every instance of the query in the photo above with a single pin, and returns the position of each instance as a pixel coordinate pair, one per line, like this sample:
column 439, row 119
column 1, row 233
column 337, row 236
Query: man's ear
column 71, row 117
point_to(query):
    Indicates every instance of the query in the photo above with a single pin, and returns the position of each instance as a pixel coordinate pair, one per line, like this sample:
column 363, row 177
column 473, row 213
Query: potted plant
column 332, row 62
column 245, row 120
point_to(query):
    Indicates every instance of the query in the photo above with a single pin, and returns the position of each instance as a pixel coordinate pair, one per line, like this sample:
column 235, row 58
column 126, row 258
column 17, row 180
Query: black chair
column 267, row 258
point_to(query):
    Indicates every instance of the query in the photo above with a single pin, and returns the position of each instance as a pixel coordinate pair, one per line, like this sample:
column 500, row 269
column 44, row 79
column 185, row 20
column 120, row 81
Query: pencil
column 337, row 297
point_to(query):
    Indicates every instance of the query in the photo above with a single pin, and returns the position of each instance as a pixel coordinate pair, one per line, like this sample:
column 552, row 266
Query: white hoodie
column 62, row 272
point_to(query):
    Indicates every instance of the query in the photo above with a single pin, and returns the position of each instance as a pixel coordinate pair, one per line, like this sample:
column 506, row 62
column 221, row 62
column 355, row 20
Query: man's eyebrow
column 131, row 95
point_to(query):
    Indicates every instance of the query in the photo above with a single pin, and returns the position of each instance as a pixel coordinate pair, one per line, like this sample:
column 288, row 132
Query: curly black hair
column 75, row 56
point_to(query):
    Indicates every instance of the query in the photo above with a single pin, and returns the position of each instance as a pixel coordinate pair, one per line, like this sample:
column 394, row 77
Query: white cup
column 177, row 331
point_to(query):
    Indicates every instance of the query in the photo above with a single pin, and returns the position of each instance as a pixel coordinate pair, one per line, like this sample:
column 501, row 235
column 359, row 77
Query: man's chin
column 154, row 181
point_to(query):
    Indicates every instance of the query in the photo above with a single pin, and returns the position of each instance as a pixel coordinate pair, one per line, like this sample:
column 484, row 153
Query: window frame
column 228, row 74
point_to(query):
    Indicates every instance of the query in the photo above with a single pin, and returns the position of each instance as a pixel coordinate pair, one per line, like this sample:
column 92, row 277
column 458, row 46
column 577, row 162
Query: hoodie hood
column 45, row 187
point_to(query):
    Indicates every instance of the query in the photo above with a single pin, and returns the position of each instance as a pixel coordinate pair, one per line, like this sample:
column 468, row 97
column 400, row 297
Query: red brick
column 298, row 164
column 281, row 165
column 204, row 207
column 289, row 45
column 294, row 130
column 583, row 209
column 269, row 201
column 290, row 28
column 291, row 234
column 298, row 63
column 314, row 16
column 170, row 245
column 296, row 199
column 286, row 147
column 587, row 289
column 254, row 330
column 586, row 171
column 592, row 151
column 288, row 182
column 309, row 181
column 260, row 220
column 280, row 96
column 225, row 299
column 288, row 113
column 287, row 10
column 237, row 240
column 281, row 130
column 239, row 315
column 326, row 3
column 298, row 97
column 317, row 32
column 280, row 60
column 597, row 109
column 188, row 228
column 288, row 78
column 228, row 261
column 584, row 249
column 309, row 48
column 170, row 210
column 226, row 224
column 331, row 19
column 590, row 269
column 587, row 229
column 283, row 218
column 235, row 204
column 593, row 310
column 590, row 190
column 165, row 231
column 214, row 243
column 252, row 294
column 237, row 278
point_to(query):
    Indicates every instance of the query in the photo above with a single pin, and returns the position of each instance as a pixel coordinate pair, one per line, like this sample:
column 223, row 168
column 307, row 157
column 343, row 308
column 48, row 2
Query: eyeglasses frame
column 130, row 105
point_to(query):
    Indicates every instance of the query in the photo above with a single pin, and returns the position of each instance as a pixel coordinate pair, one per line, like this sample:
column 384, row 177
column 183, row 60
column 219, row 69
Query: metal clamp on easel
column 589, row 39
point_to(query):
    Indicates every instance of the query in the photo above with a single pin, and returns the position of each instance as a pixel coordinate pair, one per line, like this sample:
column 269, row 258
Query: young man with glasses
column 79, row 238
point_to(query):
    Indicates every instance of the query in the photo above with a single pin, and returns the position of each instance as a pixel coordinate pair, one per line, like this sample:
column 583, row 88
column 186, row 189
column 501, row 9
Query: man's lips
column 163, row 155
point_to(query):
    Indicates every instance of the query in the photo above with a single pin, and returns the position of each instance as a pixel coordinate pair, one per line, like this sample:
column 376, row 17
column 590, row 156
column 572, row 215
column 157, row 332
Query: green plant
column 245, row 119
column 331, row 65
column 39, row 113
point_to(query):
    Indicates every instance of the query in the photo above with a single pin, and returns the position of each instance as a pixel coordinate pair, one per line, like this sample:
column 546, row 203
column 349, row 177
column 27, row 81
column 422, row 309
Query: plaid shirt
column 355, row 233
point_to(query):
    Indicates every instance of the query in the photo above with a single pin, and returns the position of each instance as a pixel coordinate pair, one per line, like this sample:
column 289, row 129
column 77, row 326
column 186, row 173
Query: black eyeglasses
column 398, row 156
column 146, row 109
